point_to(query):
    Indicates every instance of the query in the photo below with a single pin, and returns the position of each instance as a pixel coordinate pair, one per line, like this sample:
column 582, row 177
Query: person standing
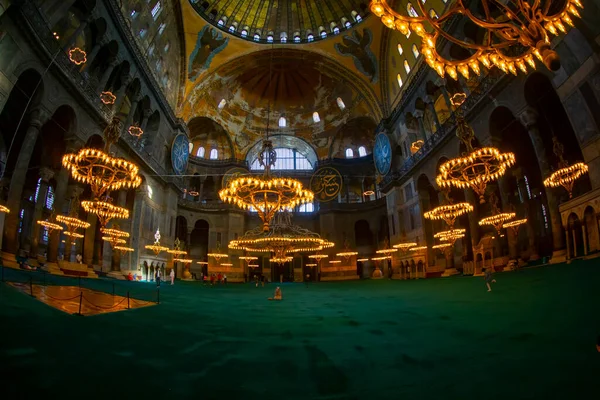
column 172, row 274
column 225, row 279
column 157, row 277
column 489, row 278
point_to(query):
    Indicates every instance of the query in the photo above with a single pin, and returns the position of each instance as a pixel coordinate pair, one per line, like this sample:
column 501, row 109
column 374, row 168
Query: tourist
column 212, row 279
column 307, row 279
column 157, row 277
column 278, row 295
column 280, row 278
column 219, row 278
column 172, row 275
column 256, row 280
column 129, row 277
column 489, row 279
column 79, row 258
column 225, row 279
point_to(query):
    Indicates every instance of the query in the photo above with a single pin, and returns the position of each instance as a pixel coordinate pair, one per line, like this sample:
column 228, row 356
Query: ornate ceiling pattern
column 282, row 21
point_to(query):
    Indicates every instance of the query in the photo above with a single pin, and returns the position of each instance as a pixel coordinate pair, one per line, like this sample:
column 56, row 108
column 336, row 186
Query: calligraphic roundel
column 180, row 153
column 382, row 154
column 326, row 183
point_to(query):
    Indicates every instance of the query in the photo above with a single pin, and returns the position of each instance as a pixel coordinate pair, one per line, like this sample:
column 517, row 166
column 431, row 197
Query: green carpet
column 533, row 337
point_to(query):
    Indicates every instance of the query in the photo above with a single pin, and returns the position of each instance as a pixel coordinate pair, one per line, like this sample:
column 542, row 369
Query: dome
column 282, row 21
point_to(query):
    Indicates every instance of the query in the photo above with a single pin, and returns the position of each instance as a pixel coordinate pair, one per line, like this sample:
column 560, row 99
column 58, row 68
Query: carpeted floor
column 533, row 337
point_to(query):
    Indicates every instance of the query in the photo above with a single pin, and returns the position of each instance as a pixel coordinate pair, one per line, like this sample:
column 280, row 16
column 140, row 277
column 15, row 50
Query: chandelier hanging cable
column 566, row 175
column 266, row 194
column 513, row 32
column 477, row 167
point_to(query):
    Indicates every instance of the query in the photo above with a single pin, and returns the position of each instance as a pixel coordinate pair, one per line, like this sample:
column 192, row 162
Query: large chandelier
column 266, row 194
column 450, row 236
column 497, row 219
column 72, row 222
column 448, row 212
column 514, row 32
column 347, row 253
column 104, row 173
column 387, row 250
column 566, row 175
column 217, row 255
column 281, row 239
column 114, row 236
column 515, row 225
column 156, row 246
column 176, row 250
column 477, row 167
column 405, row 246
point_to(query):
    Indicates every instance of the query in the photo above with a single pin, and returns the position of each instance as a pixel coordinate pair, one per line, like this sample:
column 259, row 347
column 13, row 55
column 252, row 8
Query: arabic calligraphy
column 383, row 154
column 326, row 183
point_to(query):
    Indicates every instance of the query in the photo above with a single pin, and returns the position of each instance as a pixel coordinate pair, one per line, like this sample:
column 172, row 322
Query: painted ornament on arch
column 358, row 46
column 210, row 42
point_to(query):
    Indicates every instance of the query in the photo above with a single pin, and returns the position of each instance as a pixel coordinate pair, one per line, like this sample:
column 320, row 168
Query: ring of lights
column 72, row 222
column 404, row 246
column 123, row 249
column 101, row 171
column 74, row 235
column 50, row 225
column 497, row 220
column 566, row 177
column 448, row 212
column 450, row 235
column 105, row 211
column 266, row 195
column 524, row 26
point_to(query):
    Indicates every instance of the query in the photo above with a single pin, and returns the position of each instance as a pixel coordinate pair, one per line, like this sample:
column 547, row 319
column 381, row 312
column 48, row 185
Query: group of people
column 158, row 276
column 214, row 279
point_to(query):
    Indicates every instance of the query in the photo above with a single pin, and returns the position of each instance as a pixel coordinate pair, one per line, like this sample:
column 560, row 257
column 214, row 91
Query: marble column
column 136, row 230
column 129, row 120
column 568, row 243
column 106, row 75
column 88, row 241
column 92, row 56
column 585, row 238
column 145, row 116
column 17, row 180
column 71, row 41
column 529, row 119
column 121, row 95
column 510, row 233
column 447, row 98
column 422, row 132
column 436, row 120
column 45, row 175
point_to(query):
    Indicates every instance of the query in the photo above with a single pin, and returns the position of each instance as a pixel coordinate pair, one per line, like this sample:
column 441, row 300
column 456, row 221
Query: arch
column 207, row 133
column 362, row 233
column 357, row 132
column 199, row 243
column 105, row 56
column 61, row 125
column 95, row 142
column 591, row 230
column 286, row 142
column 181, row 229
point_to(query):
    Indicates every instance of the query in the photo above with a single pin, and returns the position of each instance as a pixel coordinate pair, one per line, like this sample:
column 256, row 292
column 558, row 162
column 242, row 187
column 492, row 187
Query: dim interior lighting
column 226, row 265
column 49, row 225
column 176, row 251
column 518, row 32
column 515, row 224
column 202, row 262
column 418, row 248
column 105, row 211
column 318, row 256
column 252, row 265
column 497, row 219
column 266, row 194
column 311, row 265
column 449, row 212
column 442, row 246
column 4, row 209
column 450, row 235
column 479, row 167
column 193, row 193
column 281, row 260
column 381, row 258
column 124, row 249
column 183, row 260
column 114, row 241
column 347, row 253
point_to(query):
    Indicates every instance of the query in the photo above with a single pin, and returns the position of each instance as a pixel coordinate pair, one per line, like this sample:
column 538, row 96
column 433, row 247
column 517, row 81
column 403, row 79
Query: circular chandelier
column 50, row 226
column 114, row 240
column 176, row 251
column 74, row 235
column 281, row 239
column 514, row 30
column 156, row 247
column 497, row 219
column 266, row 194
column 77, row 56
column 115, row 232
column 451, row 235
column 567, row 174
column 217, row 255
column 386, row 249
column 449, row 212
column 183, row 260
column 72, row 223
column 281, row 260
column 123, row 249
column 105, row 211
column 442, row 246
column 347, row 253
column 318, row 256
column 404, row 246
column 4, row 209
column 418, row 248
column 515, row 225
column 248, row 259
column 479, row 166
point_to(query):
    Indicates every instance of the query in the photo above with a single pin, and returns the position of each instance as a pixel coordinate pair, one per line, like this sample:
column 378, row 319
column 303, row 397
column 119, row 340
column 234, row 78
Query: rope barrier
column 102, row 307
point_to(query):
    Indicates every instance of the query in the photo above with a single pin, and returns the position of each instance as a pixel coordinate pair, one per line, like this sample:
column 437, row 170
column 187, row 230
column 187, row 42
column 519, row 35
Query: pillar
column 510, row 233
column 121, row 95
column 585, row 238
column 88, row 241
column 17, row 180
column 145, row 115
column 436, row 120
column 568, row 243
column 447, row 98
column 422, row 133
column 56, row 10
column 129, row 120
column 92, row 56
column 73, row 37
column 529, row 120
column 106, row 74
column 45, row 175
column 135, row 230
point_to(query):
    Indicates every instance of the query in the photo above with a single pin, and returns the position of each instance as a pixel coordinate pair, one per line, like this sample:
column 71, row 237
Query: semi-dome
column 282, row 21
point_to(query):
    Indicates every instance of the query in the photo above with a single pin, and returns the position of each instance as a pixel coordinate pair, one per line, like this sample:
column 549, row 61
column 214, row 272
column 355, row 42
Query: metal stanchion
column 80, row 301
column 157, row 296
column 128, row 299
column 31, row 286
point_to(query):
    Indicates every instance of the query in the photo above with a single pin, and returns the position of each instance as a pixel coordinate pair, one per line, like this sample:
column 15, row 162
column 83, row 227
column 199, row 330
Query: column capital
column 529, row 117
column 46, row 174
column 75, row 190
column 37, row 117
column 418, row 114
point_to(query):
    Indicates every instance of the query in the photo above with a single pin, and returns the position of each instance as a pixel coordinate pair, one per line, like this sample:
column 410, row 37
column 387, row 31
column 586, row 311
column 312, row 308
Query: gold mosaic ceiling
column 274, row 17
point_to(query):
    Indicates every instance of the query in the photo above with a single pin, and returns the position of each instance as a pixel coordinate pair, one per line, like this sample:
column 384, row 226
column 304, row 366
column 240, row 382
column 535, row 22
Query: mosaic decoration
column 357, row 46
column 210, row 42
column 326, row 183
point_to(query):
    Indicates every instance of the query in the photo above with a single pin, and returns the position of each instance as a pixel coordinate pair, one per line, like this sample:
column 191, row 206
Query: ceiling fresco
column 245, row 87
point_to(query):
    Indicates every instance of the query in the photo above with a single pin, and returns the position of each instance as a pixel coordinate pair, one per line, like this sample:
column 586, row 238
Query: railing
column 206, row 206
column 365, row 206
column 206, row 162
column 470, row 106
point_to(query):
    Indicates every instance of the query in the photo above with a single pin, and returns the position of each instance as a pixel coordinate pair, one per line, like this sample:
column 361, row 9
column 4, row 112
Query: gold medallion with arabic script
column 326, row 183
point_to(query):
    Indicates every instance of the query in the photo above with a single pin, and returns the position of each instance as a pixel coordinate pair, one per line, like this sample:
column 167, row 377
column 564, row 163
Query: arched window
column 156, row 10
column 323, row 34
column 340, row 103
column 415, row 51
column 406, row 67
column 269, row 38
column 349, row 153
column 433, row 14
column 244, row 33
column 297, row 39
column 287, row 159
column 399, row 80
column 306, row 208
column 362, row 151
column 133, row 14
column 232, row 28
column 200, row 152
column 423, row 1
column 214, row 154
column 411, row 10
column 50, row 198
column 151, row 49
column 191, row 147
column 310, row 37
column 161, row 28
column 316, row 117
column 400, row 49
column 143, row 32
column 222, row 104
column 167, row 47
column 336, row 30
column 282, row 122
column 256, row 37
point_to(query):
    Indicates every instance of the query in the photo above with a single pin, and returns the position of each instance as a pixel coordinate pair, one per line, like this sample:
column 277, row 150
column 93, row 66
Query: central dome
column 282, row 21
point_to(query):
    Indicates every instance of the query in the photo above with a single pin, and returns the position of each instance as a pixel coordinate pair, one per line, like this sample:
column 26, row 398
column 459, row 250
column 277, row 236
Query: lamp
column 566, row 175
column 156, row 247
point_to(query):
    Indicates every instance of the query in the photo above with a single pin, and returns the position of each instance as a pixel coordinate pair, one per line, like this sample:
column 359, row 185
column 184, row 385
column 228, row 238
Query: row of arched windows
column 201, row 152
column 362, row 152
